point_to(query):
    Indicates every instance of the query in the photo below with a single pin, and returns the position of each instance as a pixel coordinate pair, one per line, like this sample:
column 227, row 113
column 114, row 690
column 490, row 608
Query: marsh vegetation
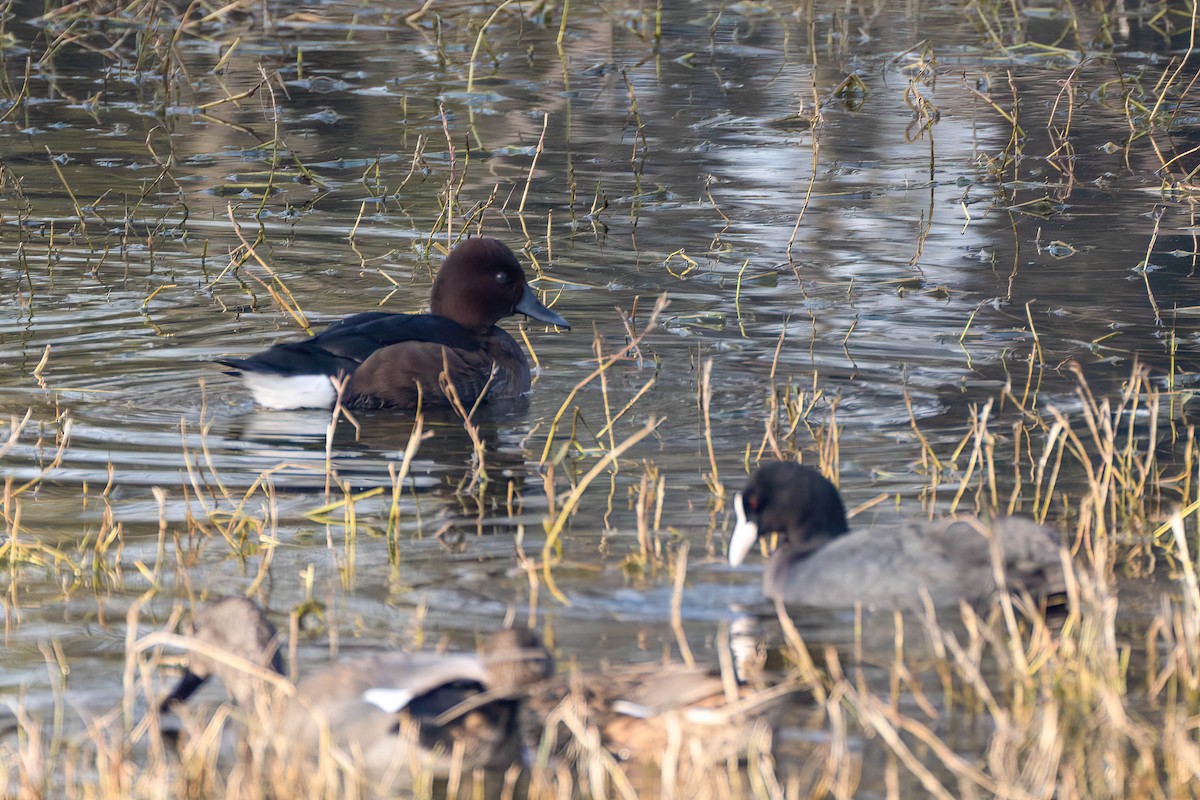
column 946, row 253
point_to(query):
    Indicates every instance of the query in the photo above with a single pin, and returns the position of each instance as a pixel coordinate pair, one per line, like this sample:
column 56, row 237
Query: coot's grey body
column 888, row 567
column 820, row 562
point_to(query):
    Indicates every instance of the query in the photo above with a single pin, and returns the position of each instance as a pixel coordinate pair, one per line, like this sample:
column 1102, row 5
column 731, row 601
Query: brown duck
column 395, row 360
column 392, row 714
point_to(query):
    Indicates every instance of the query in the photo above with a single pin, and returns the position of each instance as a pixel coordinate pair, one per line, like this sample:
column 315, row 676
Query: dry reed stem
column 277, row 288
column 630, row 347
column 555, row 527
column 1064, row 716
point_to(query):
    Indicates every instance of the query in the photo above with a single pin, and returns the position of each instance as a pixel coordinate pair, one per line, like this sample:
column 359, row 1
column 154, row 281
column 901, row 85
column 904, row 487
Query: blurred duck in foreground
column 393, row 717
column 820, row 562
column 389, row 715
column 663, row 714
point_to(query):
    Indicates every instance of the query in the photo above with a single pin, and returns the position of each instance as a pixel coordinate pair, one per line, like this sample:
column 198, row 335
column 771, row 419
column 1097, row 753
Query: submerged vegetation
column 945, row 259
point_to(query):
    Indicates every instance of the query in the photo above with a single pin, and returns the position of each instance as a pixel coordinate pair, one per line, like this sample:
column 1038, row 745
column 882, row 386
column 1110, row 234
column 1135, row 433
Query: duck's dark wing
column 360, row 703
column 347, row 343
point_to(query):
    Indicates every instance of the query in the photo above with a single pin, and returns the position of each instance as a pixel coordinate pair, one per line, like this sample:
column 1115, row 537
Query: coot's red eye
column 503, row 278
column 752, row 503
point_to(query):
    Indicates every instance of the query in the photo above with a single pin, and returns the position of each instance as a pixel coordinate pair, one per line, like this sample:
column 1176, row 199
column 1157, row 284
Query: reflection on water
column 875, row 249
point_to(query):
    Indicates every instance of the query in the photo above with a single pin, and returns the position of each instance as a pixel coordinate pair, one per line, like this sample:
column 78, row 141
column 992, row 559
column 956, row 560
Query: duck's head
column 793, row 500
column 480, row 283
column 516, row 659
column 234, row 626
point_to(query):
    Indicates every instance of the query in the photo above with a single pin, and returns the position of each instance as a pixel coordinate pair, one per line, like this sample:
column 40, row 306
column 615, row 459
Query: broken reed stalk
column 398, row 476
column 446, row 214
column 67, row 188
column 598, row 352
column 625, row 352
column 19, row 100
column 15, row 427
column 979, row 425
column 704, row 401
column 479, row 43
column 537, row 152
column 1145, row 265
column 808, row 193
column 63, row 441
column 277, row 288
column 205, row 425
column 685, row 650
column 340, row 382
column 479, row 449
column 555, row 528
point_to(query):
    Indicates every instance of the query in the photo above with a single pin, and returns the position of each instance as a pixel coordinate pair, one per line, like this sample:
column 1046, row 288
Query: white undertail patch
column 390, row 700
column 284, row 392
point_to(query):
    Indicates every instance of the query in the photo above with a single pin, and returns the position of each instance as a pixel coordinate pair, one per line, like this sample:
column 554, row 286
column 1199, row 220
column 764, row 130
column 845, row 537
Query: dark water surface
column 921, row 266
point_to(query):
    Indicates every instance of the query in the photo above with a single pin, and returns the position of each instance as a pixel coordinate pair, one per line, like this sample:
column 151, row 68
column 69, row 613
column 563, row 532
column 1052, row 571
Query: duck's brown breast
column 406, row 374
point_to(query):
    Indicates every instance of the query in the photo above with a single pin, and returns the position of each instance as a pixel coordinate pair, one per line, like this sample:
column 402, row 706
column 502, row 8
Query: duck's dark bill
column 187, row 685
column 531, row 307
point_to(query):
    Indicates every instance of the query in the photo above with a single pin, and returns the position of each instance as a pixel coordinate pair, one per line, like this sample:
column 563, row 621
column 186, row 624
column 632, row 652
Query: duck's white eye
column 503, row 278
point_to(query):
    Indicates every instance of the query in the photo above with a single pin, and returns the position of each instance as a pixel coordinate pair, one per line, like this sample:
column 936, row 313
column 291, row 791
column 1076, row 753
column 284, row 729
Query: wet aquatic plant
column 1073, row 707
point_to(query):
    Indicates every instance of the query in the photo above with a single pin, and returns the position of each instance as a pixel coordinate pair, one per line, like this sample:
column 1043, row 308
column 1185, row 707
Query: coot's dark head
column 790, row 499
column 480, row 283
